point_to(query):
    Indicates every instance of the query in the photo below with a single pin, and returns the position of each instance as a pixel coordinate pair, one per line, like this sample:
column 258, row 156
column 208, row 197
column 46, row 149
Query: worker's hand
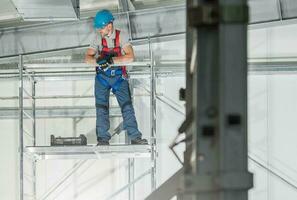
column 89, row 57
column 104, row 61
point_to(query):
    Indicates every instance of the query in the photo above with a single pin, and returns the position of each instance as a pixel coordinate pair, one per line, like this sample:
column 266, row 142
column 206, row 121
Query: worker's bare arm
column 128, row 57
column 90, row 56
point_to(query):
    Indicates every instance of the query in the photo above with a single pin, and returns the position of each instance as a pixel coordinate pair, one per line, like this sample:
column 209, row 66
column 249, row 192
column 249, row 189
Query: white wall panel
column 272, row 138
column 8, row 146
column 273, row 42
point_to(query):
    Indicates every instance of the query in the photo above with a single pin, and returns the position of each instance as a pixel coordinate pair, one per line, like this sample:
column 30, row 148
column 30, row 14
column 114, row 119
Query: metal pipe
column 88, row 75
column 58, row 112
column 131, row 179
column 256, row 66
column 54, row 108
column 34, row 110
column 62, row 63
column 21, row 126
column 34, row 134
column 81, row 65
column 152, row 117
column 172, row 64
column 64, row 96
column 131, row 160
column 9, row 98
column 129, row 26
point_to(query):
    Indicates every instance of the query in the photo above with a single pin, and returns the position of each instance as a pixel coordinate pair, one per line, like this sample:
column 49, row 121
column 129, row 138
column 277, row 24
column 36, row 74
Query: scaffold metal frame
column 35, row 153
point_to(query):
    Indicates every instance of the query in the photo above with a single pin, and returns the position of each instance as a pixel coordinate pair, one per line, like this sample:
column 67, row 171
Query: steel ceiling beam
column 69, row 35
column 124, row 5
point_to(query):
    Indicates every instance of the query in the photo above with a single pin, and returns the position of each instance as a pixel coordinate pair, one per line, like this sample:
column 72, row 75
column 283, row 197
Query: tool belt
column 109, row 71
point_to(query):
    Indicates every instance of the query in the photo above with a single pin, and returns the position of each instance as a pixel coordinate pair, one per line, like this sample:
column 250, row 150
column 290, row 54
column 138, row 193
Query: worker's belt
column 109, row 71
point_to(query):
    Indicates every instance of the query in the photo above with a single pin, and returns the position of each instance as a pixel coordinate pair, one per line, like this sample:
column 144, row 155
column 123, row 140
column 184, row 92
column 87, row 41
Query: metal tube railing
column 80, row 65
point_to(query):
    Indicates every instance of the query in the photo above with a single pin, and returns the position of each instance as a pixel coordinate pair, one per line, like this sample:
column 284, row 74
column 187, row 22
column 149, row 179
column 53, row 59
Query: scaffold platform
column 88, row 152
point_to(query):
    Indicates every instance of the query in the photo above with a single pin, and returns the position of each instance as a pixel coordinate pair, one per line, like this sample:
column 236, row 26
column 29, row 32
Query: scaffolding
column 35, row 153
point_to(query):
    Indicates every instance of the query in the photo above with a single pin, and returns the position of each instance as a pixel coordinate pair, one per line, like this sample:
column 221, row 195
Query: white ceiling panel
column 260, row 10
column 289, row 8
column 95, row 4
column 7, row 10
column 42, row 10
column 263, row 10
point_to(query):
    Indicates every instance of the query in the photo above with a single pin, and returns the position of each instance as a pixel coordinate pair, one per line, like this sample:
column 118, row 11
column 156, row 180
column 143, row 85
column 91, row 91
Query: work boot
column 102, row 142
column 139, row 141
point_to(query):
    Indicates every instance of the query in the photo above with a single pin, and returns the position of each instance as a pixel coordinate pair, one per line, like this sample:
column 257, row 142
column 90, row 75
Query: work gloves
column 104, row 62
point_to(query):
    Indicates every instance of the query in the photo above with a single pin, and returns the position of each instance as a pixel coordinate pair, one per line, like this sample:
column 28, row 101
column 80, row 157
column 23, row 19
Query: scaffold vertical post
column 152, row 115
column 34, row 131
column 21, row 139
column 131, row 167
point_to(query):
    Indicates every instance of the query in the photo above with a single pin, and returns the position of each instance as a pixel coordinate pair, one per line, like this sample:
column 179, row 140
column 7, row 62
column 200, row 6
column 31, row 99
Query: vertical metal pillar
column 215, row 164
column 129, row 25
column 219, row 102
column 34, row 131
column 131, row 178
column 131, row 168
column 34, row 109
column 21, row 128
column 190, row 34
column 153, row 116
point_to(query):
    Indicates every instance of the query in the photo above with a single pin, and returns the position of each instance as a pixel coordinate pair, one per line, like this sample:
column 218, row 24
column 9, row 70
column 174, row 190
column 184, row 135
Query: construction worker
column 109, row 46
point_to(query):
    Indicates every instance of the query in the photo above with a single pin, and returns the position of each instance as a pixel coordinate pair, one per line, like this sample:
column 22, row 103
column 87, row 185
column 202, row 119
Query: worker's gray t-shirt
column 96, row 43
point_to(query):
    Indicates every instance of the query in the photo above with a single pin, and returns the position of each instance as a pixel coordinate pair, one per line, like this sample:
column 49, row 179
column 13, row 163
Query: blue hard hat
column 102, row 18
